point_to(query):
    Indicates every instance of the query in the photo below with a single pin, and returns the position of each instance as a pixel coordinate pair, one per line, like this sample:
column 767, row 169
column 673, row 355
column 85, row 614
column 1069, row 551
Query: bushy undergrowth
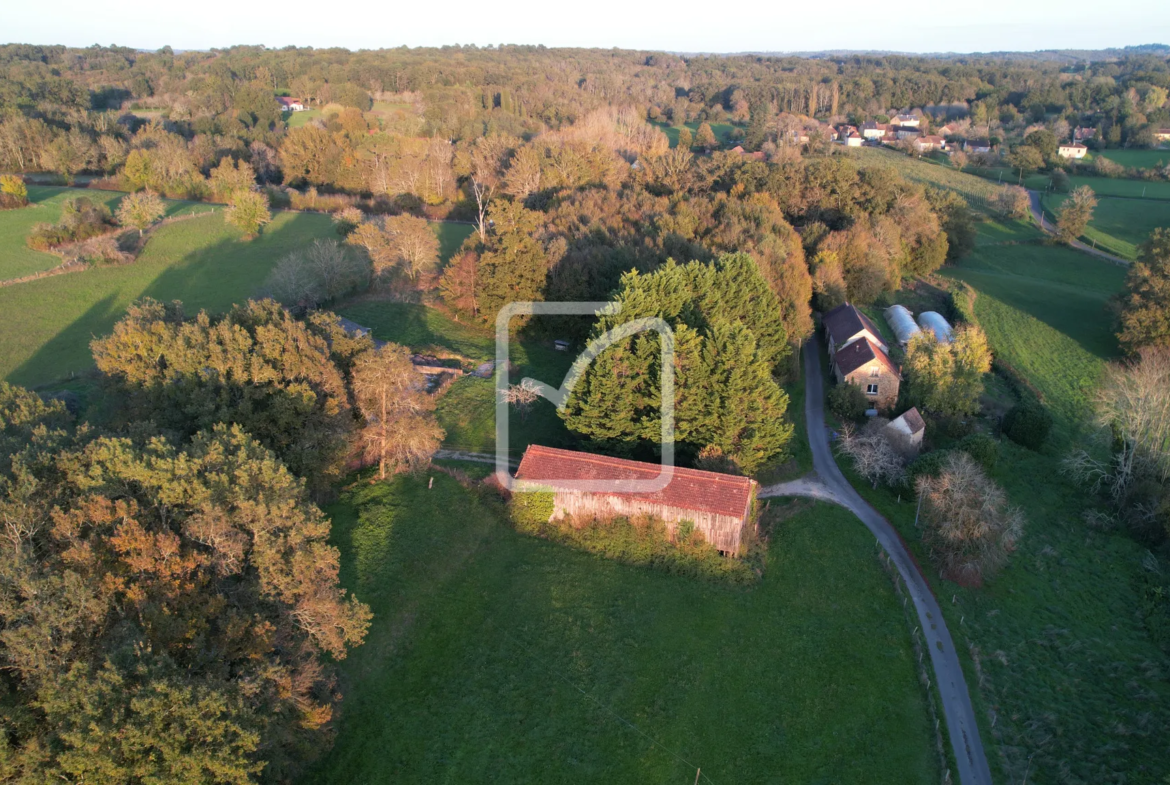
column 641, row 541
column 81, row 219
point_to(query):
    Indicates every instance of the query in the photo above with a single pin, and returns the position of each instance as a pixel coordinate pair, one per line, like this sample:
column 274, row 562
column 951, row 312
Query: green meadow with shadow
column 45, row 204
column 498, row 657
column 46, row 325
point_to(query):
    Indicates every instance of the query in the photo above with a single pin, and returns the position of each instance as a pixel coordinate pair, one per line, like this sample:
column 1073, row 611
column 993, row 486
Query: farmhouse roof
column 859, row 353
column 931, row 139
column 912, row 419
column 1073, row 147
column 845, row 321
column 688, row 489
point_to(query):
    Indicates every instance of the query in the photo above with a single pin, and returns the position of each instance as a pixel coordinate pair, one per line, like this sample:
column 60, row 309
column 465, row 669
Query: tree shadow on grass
column 225, row 272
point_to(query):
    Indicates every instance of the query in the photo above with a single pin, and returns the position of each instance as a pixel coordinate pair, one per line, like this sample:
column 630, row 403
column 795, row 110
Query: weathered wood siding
column 725, row 532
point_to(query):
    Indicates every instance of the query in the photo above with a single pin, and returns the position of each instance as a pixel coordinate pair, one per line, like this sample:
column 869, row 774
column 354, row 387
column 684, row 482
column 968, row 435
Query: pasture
column 1043, row 308
column 45, row 203
column 297, row 119
column 1071, row 688
column 1137, row 159
column 722, row 132
column 1119, row 226
column 923, row 171
column 498, row 657
column 46, row 325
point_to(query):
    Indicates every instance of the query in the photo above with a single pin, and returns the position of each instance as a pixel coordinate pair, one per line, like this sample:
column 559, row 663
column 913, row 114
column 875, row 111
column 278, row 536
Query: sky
column 665, row 25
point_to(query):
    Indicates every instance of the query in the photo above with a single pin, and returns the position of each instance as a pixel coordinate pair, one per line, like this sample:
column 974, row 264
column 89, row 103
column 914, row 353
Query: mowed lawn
column 1119, row 226
column 46, row 325
column 1044, row 310
column 496, row 657
column 45, row 204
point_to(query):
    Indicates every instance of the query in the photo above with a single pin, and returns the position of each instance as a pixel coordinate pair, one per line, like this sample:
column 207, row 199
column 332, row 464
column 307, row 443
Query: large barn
column 719, row 505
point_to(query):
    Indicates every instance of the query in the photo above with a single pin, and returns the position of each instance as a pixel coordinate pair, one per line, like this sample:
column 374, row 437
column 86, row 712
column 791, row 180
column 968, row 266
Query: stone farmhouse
column 719, row 505
column 860, row 357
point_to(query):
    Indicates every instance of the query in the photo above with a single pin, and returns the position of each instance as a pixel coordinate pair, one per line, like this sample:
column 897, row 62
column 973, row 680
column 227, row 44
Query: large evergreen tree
column 729, row 338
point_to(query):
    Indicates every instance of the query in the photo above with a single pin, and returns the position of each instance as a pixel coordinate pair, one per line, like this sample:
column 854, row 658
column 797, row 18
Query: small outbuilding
column 910, row 428
column 934, row 321
column 718, row 505
column 901, row 321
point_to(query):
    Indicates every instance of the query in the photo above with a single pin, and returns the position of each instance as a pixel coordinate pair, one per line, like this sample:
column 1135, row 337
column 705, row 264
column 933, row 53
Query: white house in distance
column 853, row 139
column 977, row 146
column 925, row 144
column 906, row 120
column 1162, row 134
column 1072, row 151
column 290, row 104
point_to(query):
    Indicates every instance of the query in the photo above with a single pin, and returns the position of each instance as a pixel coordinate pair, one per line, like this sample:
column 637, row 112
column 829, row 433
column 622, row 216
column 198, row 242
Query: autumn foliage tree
column 947, row 378
column 256, row 366
column 140, row 209
column 1145, row 303
column 400, row 431
column 248, row 212
column 167, row 613
column 1074, row 215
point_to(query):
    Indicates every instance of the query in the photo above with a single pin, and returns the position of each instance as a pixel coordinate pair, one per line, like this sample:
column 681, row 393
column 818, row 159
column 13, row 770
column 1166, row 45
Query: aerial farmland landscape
column 663, row 398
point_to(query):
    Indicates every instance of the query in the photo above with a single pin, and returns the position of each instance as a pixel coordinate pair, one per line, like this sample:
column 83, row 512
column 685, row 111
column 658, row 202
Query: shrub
column 1027, row 424
column 81, row 219
column 968, row 527
column 927, row 465
column 642, row 541
column 847, row 402
column 13, row 192
column 963, row 303
column 983, row 448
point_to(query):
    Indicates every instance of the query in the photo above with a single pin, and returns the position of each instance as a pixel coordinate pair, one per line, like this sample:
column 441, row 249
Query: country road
column 828, row 484
column 1038, row 216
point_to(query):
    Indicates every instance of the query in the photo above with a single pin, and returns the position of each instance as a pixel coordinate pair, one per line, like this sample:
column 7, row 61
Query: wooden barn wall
column 723, row 531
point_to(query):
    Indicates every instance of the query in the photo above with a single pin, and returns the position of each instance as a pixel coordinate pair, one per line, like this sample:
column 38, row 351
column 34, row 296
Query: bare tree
column 968, row 526
column 483, row 165
column 1133, row 411
column 521, row 396
column 874, row 456
column 400, row 433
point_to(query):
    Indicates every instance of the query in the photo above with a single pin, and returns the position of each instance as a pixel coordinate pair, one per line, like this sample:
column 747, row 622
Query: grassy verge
column 505, row 658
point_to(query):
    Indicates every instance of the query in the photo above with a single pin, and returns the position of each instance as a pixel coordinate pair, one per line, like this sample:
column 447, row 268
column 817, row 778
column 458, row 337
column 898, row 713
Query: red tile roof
column 860, row 352
column 688, row 489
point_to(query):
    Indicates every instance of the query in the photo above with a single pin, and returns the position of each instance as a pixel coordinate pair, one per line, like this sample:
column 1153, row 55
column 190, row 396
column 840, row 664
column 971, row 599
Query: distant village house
column 910, row 428
column 1072, row 151
column 718, row 505
column 290, row 104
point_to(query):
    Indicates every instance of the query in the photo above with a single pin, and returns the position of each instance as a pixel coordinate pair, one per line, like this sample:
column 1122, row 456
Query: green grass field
column 722, row 132
column 46, row 325
column 1137, row 159
column 1043, row 308
column 496, row 657
column 1070, row 686
column 976, row 190
column 45, row 203
column 297, row 119
column 1119, row 226
column 1102, row 186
